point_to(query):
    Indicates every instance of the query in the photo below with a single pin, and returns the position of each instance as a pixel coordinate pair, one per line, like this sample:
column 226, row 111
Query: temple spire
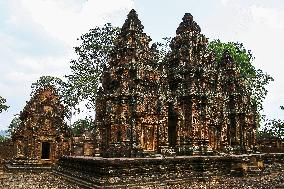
column 132, row 44
column 188, row 25
column 132, row 23
column 188, row 44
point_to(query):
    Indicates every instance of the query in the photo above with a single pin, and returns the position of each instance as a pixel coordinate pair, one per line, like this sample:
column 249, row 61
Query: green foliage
column 97, row 45
column 47, row 81
column 3, row 106
column 255, row 79
column 3, row 138
column 15, row 124
column 81, row 125
column 93, row 56
column 163, row 48
column 242, row 57
column 272, row 129
column 62, row 88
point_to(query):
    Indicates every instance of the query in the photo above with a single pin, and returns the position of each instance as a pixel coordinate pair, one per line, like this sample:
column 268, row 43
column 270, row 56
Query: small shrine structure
column 43, row 135
column 83, row 144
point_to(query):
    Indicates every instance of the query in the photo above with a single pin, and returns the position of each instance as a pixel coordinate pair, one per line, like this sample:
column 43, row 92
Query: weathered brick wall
column 106, row 172
column 122, row 172
column 7, row 150
column 268, row 149
column 271, row 145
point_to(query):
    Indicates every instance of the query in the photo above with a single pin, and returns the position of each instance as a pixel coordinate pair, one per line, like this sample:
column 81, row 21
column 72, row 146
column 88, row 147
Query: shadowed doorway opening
column 45, row 150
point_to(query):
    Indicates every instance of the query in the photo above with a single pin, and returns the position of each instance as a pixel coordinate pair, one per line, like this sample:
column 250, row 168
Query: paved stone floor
column 33, row 181
column 25, row 180
column 272, row 181
column 49, row 181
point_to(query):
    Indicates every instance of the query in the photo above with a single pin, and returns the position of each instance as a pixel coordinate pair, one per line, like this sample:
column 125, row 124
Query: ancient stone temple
column 190, row 105
column 206, row 106
column 83, row 144
column 43, row 135
column 211, row 107
column 129, row 110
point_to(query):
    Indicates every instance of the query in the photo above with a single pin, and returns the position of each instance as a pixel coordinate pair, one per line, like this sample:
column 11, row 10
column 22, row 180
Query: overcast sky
column 37, row 36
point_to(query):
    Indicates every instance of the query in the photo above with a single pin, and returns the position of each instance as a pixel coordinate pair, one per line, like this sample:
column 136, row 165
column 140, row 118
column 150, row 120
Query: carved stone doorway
column 212, row 137
column 147, row 138
column 172, row 126
column 45, row 150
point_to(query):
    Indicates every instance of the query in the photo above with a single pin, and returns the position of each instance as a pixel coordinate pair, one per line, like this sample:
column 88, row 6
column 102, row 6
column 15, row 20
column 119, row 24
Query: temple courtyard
column 273, row 178
column 188, row 122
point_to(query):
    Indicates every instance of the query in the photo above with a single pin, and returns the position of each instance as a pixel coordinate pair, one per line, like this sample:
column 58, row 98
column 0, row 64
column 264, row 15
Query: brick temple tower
column 187, row 84
column 211, row 107
column 129, row 110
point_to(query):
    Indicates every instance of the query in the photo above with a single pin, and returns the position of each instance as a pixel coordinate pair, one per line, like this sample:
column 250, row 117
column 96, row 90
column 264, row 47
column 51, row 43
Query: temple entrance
column 147, row 138
column 212, row 137
column 172, row 126
column 45, row 150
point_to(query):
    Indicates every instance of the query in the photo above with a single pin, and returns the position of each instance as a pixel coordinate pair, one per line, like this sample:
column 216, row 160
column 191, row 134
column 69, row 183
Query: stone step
column 252, row 167
column 75, row 180
column 11, row 167
column 253, row 170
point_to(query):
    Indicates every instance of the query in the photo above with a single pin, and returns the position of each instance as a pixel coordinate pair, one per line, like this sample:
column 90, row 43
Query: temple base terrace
column 98, row 172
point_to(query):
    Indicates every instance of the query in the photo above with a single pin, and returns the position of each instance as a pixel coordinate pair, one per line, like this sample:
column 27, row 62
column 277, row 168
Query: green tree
column 62, row 88
column 14, row 125
column 3, row 138
column 93, row 55
column 97, row 45
column 46, row 81
column 256, row 80
column 81, row 125
column 272, row 129
column 3, row 106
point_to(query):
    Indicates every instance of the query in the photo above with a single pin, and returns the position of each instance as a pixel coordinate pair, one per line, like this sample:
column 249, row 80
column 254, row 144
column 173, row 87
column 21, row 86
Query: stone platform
column 27, row 165
column 97, row 172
